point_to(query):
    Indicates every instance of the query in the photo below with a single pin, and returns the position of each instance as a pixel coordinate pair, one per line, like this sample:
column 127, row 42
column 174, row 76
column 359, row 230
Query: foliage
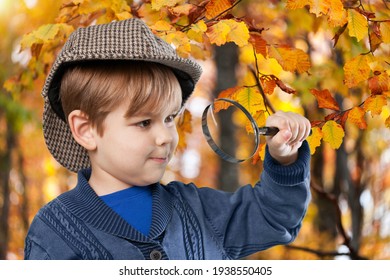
column 328, row 59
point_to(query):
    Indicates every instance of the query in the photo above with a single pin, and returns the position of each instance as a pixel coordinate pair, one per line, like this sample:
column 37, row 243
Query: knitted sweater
column 187, row 223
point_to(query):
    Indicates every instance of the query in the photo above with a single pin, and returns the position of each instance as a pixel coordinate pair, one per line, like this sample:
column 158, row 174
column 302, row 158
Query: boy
column 110, row 102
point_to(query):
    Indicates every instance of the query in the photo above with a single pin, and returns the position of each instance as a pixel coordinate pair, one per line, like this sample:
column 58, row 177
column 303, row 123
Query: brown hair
column 96, row 88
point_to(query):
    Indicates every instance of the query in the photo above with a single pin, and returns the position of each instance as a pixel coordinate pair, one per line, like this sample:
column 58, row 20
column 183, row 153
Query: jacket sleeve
column 270, row 213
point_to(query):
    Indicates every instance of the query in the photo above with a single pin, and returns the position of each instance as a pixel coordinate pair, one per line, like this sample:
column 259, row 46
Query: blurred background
column 349, row 215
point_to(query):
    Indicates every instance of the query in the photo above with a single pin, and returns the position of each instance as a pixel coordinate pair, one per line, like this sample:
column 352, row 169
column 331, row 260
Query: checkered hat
column 122, row 40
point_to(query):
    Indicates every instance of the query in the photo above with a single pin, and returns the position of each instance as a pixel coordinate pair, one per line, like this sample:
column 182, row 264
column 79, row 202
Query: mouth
column 159, row 159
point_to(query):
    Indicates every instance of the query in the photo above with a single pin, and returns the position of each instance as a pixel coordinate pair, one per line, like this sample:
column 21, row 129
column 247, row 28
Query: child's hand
column 293, row 130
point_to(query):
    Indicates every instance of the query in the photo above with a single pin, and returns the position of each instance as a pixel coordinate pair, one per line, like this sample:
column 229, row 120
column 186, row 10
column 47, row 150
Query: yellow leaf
column 87, row 7
column 325, row 99
column 251, row 99
column 158, row 4
column 356, row 70
column 184, row 9
column 357, row 24
column 374, row 104
column 385, row 31
column 162, row 25
column 290, row 59
column 238, row 34
column 218, row 32
column 337, row 15
column 259, row 118
column 333, row 134
column 217, row 7
column 314, row 140
column 296, row 4
column 356, row 116
column 319, row 7
column 181, row 42
column 196, row 31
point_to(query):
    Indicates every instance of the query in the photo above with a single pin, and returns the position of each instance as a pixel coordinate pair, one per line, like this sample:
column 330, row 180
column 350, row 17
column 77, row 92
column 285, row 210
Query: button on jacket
column 187, row 223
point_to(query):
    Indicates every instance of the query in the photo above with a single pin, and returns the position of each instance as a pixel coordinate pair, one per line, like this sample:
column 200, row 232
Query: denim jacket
column 187, row 223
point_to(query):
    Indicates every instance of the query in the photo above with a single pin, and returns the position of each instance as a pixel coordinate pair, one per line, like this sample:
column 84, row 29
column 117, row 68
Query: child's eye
column 170, row 118
column 144, row 124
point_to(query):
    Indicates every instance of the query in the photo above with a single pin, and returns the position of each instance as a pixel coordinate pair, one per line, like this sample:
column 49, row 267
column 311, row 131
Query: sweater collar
column 83, row 202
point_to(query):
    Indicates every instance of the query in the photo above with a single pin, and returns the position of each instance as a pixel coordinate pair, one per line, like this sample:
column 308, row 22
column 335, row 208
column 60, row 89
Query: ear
column 82, row 129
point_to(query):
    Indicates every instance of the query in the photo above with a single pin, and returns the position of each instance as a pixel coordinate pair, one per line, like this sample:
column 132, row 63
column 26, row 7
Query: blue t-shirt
column 134, row 205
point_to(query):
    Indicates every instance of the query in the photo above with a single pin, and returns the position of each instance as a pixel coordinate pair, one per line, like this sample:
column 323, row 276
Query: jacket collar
column 83, row 202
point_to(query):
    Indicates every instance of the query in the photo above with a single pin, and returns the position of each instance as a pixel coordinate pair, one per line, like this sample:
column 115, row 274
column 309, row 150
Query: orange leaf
column 374, row 103
column 337, row 15
column 356, row 70
column 217, row 7
column 379, row 83
column 325, row 99
column 387, row 122
column 357, row 116
column 184, row 126
column 314, row 140
column 258, row 43
column 333, row 134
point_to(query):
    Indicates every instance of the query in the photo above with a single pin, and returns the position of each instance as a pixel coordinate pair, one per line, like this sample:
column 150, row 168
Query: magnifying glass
column 246, row 131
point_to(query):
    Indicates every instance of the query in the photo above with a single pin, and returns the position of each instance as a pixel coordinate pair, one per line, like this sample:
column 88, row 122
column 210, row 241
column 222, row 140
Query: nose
column 165, row 135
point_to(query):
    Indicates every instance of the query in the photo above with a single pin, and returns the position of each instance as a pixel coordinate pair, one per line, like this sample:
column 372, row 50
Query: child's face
column 136, row 150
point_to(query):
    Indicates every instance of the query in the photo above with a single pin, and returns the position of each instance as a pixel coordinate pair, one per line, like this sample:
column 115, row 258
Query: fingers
column 293, row 128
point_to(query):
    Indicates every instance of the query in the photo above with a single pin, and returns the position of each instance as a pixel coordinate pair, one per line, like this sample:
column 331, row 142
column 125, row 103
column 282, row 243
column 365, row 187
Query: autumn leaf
column 357, row 116
column 374, row 104
column 258, row 43
column 158, row 4
column 218, row 32
column 238, row 34
column 162, row 25
column 333, row 134
column 250, row 98
column 181, row 41
column 216, row 7
column 196, row 31
column 379, row 83
column 184, row 9
column 260, row 154
column 259, row 118
column 184, row 126
column 269, row 85
column 319, row 7
column 228, row 31
column 357, row 24
column 385, row 31
column 325, row 99
column 296, row 4
column 290, row 59
column 337, row 15
column 356, row 70
column 387, row 122
column 314, row 140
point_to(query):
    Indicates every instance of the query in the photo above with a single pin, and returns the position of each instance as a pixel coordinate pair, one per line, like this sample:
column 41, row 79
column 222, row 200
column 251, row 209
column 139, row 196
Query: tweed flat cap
column 121, row 40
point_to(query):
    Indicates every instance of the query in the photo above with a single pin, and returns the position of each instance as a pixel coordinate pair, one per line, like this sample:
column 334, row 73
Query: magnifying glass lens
column 229, row 130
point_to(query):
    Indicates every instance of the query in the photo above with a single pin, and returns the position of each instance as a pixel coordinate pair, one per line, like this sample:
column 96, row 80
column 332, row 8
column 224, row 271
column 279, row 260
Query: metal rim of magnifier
column 210, row 140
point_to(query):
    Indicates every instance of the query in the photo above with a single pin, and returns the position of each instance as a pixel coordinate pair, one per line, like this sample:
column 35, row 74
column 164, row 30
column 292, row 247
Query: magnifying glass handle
column 268, row 130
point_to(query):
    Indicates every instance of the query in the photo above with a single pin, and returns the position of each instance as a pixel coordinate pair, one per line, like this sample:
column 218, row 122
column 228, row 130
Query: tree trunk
column 5, row 168
column 226, row 59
